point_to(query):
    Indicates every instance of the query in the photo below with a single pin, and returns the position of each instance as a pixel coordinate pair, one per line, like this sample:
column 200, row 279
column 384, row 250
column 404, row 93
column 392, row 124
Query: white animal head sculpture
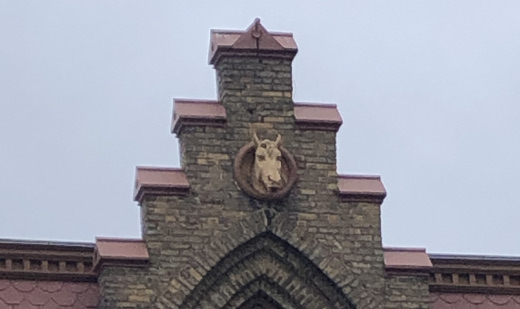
column 267, row 173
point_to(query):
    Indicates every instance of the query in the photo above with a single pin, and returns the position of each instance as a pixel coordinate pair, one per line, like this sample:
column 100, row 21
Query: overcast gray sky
column 429, row 92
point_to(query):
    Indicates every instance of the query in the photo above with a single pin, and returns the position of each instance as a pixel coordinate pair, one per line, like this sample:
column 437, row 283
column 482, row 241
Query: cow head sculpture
column 267, row 173
column 264, row 169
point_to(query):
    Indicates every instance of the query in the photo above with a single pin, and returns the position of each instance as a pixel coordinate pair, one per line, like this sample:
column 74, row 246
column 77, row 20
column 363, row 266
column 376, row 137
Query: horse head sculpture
column 267, row 173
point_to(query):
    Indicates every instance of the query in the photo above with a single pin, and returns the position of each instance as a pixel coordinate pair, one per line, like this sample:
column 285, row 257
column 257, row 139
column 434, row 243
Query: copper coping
column 117, row 248
column 407, row 258
column 255, row 37
column 361, row 187
column 196, row 112
column 451, row 259
column 160, row 180
column 39, row 245
column 122, row 252
column 208, row 112
column 317, row 116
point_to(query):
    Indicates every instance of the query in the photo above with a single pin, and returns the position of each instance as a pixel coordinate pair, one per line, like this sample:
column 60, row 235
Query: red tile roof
column 474, row 301
column 23, row 294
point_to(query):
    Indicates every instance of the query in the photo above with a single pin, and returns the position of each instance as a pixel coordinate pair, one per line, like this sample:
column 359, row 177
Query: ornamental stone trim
column 475, row 274
column 46, row 261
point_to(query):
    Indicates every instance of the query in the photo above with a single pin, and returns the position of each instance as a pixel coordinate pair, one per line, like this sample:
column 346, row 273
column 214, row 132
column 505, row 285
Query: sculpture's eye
column 263, row 145
column 261, row 157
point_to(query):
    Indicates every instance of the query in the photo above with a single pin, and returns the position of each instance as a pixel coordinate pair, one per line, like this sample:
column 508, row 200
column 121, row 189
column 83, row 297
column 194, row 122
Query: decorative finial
column 256, row 33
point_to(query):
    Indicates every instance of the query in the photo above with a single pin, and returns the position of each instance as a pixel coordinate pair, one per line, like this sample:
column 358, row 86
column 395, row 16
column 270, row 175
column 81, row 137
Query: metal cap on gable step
column 160, row 181
column 256, row 40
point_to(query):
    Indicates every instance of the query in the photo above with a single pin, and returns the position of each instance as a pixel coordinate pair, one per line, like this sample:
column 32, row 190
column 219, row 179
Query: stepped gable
column 256, row 216
column 258, row 168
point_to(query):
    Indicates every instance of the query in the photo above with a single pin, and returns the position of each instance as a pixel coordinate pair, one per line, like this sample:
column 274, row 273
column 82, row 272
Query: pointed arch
column 260, row 300
column 262, row 290
column 265, row 265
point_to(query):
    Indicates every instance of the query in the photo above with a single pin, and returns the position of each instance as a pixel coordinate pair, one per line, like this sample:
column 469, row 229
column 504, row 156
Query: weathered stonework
column 407, row 291
column 216, row 247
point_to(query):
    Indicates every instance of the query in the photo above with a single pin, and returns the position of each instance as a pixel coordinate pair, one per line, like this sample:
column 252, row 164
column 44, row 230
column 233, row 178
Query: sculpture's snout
column 274, row 181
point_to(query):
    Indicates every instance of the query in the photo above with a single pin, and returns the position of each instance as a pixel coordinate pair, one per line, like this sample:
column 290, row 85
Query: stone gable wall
column 407, row 292
column 188, row 236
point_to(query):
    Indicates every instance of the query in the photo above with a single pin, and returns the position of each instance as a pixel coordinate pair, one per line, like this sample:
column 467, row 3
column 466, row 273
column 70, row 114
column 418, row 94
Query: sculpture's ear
column 256, row 141
column 278, row 141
